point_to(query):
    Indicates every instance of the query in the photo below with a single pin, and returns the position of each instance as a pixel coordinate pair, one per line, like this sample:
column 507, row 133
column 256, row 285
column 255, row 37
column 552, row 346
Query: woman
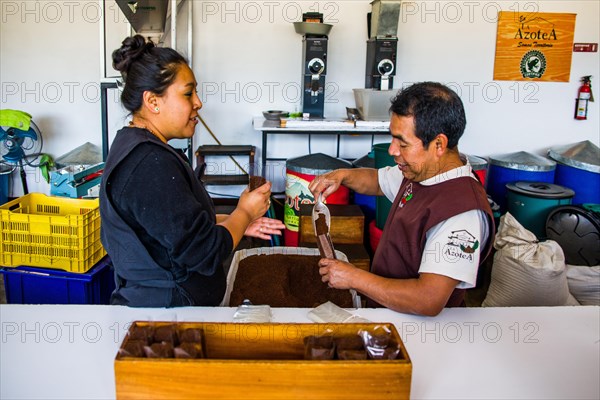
column 158, row 222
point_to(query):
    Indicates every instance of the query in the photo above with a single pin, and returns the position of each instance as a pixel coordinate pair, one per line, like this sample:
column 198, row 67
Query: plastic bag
column 329, row 347
column 329, row 312
column 251, row 313
column 320, row 347
column 380, row 344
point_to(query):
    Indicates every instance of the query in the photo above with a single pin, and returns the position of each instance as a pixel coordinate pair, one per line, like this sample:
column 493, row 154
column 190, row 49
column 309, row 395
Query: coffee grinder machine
column 382, row 26
column 381, row 63
column 314, row 63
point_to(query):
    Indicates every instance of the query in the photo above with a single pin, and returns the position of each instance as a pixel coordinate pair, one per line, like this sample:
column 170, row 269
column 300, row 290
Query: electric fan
column 20, row 143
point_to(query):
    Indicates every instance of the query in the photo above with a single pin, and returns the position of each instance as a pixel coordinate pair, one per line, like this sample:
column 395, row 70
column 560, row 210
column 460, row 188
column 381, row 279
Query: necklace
column 133, row 125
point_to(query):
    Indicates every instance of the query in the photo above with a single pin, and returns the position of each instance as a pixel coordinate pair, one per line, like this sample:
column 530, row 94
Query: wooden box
column 347, row 232
column 347, row 224
column 262, row 361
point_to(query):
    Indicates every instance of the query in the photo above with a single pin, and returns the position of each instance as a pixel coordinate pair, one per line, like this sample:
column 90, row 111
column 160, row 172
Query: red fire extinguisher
column 584, row 95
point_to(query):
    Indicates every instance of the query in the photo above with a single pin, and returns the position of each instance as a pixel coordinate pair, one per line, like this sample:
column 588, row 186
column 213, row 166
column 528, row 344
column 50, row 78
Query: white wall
column 247, row 58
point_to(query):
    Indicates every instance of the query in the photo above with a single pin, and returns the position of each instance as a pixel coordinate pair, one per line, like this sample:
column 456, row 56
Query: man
column 440, row 226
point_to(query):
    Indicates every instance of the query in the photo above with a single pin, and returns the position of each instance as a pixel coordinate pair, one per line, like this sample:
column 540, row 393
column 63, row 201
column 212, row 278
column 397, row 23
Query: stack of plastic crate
column 51, row 251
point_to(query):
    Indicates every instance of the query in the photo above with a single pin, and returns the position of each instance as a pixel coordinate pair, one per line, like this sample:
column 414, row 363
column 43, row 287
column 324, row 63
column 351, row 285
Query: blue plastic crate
column 28, row 285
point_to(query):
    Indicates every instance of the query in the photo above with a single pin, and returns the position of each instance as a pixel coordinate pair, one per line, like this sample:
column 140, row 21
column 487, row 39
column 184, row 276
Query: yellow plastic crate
column 50, row 232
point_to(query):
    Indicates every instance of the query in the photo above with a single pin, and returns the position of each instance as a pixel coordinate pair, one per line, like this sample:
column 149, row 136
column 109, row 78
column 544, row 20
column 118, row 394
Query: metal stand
column 23, row 177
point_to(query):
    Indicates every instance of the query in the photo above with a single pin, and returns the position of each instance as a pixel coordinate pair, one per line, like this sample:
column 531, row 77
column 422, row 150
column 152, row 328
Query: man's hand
column 337, row 274
column 327, row 183
column 361, row 180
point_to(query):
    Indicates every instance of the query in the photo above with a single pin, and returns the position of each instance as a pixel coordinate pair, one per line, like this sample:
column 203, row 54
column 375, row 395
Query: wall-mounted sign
column 585, row 47
column 534, row 46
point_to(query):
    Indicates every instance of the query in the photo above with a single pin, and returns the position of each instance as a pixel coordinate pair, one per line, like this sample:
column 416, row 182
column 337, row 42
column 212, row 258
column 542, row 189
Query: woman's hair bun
column 131, row 49
column 145, row 67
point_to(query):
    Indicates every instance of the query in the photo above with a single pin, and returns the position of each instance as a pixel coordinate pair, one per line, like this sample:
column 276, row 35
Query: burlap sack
column 526, row 272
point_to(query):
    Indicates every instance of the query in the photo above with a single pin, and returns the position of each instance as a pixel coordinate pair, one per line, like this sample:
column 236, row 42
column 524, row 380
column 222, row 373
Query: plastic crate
column 50, row 232
column 27, row 285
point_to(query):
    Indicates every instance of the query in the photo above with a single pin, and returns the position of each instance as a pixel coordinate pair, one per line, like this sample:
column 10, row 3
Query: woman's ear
column 150, row 102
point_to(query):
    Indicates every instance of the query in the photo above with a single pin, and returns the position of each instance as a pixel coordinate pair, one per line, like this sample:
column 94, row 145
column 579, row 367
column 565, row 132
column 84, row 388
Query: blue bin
column 578, row 168
column 4, row 183
column 366, row 203
column 513, row 167
column 28, row 285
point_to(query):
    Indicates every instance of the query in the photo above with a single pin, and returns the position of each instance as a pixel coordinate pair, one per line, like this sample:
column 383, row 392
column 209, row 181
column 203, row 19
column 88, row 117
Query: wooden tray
column 263, row 361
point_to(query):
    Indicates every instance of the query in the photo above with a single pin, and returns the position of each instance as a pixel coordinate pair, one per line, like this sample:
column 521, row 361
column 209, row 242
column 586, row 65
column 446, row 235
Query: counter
column 67, row 352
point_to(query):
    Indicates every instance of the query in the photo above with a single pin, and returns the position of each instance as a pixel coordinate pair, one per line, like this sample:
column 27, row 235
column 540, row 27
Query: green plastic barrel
column 383, row 205
column 531, row 202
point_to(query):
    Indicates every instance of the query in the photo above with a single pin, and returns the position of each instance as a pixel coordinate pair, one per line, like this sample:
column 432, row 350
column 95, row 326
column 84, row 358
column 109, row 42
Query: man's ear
column 150, row 102
column 440, row 143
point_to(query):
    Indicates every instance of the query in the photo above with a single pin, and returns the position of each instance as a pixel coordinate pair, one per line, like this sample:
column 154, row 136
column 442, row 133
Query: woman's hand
column 264, row 227
column 252, row 205
column 255, row 203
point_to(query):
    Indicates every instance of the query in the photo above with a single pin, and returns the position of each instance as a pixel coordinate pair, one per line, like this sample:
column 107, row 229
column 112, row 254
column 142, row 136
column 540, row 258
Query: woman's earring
column 156, row 109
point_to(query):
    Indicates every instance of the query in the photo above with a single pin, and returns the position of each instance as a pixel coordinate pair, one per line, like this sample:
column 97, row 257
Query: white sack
column 584, row 284
column 526, row 272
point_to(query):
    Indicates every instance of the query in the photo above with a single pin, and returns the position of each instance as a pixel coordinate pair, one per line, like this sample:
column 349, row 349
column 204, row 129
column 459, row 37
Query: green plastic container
column 383, row 205
column 531, row 202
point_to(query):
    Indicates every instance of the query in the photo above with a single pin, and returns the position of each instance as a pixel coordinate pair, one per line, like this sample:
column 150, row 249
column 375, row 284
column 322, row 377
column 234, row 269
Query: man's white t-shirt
column 442, row 255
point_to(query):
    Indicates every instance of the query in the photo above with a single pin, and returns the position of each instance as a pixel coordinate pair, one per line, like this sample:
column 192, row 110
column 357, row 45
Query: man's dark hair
column 435, row 108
